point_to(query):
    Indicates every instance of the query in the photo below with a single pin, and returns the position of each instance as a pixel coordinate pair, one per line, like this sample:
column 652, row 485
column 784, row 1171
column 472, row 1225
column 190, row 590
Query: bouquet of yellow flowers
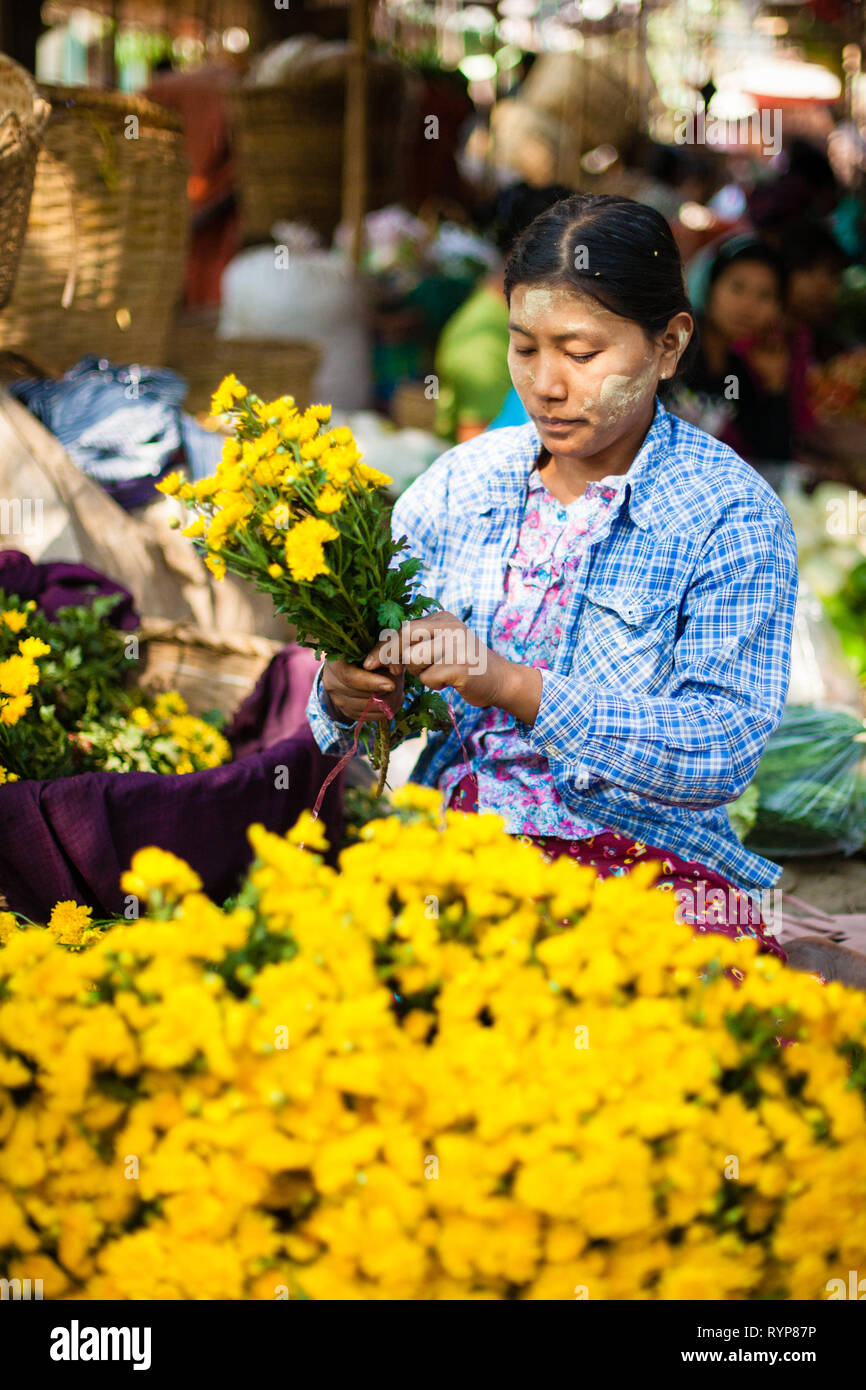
column 293, row 508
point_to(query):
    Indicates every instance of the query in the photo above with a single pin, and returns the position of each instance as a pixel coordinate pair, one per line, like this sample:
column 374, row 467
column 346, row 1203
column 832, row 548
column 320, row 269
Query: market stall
column 279, row 1023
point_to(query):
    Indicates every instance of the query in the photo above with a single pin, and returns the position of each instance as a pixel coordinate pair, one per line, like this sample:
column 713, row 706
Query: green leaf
column 390, row 614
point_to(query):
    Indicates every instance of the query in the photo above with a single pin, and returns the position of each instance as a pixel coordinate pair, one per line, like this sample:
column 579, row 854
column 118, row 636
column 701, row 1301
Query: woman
column 618, row 586
column 814, row 264
column 746, row 383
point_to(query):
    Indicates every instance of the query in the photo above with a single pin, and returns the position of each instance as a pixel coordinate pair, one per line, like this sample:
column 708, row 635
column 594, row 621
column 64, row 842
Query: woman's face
column 586, row 376
column 744, row 302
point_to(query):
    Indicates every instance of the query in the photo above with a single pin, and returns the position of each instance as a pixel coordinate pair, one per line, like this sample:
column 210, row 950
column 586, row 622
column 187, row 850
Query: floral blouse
column 513, row 780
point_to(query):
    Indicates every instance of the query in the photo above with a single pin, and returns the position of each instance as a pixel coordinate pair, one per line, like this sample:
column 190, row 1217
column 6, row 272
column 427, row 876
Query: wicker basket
column 23, row 116
column 211, row 670
column 102, row 263
column 268, row 366
column 288, row 142
column 411, row 408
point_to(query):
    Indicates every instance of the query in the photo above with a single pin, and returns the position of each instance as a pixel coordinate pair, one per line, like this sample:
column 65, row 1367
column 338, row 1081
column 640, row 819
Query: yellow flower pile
column 446, row 1069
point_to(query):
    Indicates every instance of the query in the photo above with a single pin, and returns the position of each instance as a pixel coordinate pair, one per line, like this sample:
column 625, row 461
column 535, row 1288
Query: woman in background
column 746, row 383
column 472, row 353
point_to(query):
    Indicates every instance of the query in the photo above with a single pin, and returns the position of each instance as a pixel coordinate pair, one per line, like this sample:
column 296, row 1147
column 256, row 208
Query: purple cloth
column 58, row 584
column 74, row 837
column 277, row 705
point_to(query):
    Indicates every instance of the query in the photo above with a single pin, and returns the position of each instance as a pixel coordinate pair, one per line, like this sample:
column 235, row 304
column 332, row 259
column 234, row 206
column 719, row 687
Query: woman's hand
column 442, row 651
column 348, row 689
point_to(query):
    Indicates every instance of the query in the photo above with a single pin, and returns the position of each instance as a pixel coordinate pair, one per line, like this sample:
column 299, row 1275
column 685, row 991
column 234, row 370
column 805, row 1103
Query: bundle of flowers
column 64, row 707
column 446, row 1069
column 162, row 738
column 838, row 387
column 293, row 508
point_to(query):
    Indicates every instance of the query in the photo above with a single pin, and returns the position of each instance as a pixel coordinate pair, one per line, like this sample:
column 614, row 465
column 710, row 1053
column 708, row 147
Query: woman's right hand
column 348, row 689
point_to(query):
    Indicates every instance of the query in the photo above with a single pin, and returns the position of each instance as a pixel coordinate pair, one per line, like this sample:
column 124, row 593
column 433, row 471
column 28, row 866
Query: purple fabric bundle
column 74, row 837
column 277, row 706
column 60, row 585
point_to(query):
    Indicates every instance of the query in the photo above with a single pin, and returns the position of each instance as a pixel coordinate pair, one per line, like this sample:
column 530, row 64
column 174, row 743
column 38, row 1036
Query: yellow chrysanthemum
column 69, row 921
column 278, row 518
column 13, row 619
column 206, row 487
column 169, row 702
column 227, row 393
column 158, row 870
column 308, row 833
column 170, row 484
column 33, row 647
column 13, row 710
column 216, row 566
column 305, row 556
column 372, row 476
column 330, row 499
column 17, row 674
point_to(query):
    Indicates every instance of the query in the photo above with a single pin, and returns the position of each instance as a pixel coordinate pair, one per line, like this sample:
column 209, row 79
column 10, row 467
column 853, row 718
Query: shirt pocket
column 627, row 638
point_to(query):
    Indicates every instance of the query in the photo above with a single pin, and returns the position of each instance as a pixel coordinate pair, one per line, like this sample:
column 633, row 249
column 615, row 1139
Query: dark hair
column 619, row 252
column 746, row 248
column 810, row 163
column 774, row 206
column 515, row 207
column 810, row 243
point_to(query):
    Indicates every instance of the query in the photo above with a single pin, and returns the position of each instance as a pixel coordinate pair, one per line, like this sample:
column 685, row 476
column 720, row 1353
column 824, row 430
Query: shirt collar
column 507, row 483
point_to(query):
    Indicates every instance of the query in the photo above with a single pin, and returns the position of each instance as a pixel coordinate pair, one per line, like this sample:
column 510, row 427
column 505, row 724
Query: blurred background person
column 471, row 355
column 814, row 262
column 746, row 382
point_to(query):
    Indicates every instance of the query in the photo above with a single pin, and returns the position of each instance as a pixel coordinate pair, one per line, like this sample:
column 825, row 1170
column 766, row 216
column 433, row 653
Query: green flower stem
column 382, row 754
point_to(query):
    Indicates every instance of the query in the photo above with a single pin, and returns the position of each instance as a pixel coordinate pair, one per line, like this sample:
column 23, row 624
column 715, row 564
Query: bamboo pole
column 355, row 131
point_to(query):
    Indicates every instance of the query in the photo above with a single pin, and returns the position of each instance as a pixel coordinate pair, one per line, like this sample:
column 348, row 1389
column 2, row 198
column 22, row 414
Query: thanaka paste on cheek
column 620, row 395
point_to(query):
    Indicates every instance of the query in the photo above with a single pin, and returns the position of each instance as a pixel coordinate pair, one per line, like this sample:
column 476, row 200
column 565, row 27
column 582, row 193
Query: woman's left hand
column 441, row 650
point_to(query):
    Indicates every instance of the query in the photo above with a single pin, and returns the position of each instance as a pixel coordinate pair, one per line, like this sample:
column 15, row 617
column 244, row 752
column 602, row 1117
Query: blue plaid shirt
column 674, row 660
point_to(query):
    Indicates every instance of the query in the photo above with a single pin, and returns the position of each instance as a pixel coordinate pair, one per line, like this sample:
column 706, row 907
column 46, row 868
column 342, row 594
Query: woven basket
column 268, row 366
column 102, row 263
column 288, row 142
column 411, row 409
column 211, row 670
column 23, row 115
